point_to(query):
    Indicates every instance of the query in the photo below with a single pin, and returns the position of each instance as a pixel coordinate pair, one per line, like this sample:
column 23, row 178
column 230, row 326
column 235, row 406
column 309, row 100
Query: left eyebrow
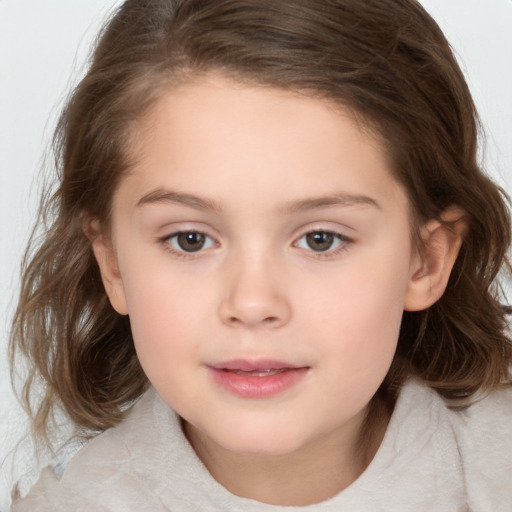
column 341, row 199
column 168, row 196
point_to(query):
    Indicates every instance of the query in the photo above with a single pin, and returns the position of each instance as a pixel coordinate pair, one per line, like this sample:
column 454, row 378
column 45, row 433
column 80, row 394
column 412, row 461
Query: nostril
column 269, row 320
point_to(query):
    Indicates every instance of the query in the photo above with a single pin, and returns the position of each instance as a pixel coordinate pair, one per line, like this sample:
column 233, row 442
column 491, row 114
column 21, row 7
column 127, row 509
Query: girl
column 268, row 276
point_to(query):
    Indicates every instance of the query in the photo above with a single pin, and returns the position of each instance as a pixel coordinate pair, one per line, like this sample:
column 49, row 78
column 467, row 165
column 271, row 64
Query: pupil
column 191, row 242
column 320, row 241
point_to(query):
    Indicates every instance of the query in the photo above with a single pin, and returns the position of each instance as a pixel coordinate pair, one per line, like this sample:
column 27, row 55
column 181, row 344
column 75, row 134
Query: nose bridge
column 255, row 293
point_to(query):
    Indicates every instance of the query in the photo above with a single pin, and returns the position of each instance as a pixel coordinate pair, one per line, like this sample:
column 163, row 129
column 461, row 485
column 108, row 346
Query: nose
column 254, row 296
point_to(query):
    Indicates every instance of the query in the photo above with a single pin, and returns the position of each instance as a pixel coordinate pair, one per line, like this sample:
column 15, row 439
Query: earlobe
column 110, row 275
column 432, row 267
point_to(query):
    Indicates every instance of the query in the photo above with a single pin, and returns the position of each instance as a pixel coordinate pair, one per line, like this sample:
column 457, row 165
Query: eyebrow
column 200, row 203
column 167, row 196
column 340, row 199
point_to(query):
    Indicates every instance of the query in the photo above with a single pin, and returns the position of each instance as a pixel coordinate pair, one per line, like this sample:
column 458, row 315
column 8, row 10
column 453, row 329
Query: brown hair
column 387, row 60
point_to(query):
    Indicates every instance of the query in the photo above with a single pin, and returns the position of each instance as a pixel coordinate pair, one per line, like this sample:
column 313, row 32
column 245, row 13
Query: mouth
column 256, row 379
column 259, row 372
column 260, row 365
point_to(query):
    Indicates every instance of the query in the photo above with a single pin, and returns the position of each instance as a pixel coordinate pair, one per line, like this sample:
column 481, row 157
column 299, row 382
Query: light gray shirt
column 431, row 459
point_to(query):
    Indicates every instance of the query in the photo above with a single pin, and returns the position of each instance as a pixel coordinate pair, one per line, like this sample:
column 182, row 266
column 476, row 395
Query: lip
column 261, row 378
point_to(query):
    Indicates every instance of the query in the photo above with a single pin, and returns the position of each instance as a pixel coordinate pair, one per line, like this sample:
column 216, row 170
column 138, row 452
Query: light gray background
column 43, row 49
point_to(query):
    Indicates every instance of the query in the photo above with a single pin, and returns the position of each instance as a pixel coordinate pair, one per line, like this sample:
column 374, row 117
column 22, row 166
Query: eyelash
column 344, row 243
column 165, row 241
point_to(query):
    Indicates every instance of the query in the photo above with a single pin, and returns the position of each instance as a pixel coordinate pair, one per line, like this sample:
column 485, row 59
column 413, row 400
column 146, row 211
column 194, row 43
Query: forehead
column 223, row 139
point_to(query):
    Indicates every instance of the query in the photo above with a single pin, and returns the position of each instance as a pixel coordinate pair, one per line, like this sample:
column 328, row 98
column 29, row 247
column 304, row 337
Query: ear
column 107, row 263
column 432, row 266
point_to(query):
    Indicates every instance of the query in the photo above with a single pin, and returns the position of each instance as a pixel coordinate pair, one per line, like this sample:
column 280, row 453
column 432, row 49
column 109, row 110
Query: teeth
column 260, row 373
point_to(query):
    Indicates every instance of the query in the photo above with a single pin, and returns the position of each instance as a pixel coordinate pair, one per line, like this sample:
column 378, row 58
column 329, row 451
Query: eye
column 321, row 241
column 190, row 241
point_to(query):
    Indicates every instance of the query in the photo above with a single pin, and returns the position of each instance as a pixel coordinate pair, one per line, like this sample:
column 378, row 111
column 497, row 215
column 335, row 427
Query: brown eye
column 320, row 241
column 190, row 241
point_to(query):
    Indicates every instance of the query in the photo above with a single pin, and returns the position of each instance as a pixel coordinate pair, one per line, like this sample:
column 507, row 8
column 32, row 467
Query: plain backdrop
column 44, row 46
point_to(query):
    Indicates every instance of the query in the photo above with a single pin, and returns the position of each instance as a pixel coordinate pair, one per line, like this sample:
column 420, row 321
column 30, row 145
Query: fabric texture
column 431, row 459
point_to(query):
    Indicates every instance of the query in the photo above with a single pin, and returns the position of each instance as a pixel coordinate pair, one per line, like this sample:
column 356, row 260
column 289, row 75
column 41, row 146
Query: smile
column 260, row 379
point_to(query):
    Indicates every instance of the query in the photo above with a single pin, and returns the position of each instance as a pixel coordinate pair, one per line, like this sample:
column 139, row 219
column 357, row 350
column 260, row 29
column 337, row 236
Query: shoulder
column 487, row 420
column 452, row 456
column 104, row 475
column 484, row 438
column 39, row 497
column 483, row 428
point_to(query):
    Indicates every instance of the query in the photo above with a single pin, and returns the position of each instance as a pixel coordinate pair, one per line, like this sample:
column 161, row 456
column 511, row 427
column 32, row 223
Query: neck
column 311, row 474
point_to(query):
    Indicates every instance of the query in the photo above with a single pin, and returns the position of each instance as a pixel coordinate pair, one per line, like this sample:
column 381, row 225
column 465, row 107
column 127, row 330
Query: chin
column 261, row 443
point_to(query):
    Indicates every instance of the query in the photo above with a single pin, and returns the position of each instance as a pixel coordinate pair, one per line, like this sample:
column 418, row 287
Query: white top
column 431, row 459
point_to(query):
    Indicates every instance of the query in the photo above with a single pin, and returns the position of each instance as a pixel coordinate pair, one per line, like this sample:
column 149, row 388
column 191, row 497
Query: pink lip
column 249, row 366
column 256, row 379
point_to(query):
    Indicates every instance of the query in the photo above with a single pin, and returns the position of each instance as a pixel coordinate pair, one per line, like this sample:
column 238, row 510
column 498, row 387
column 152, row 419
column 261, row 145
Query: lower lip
column 250, row 386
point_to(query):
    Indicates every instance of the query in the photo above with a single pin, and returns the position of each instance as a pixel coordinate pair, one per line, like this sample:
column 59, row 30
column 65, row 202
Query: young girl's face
column 262, row 250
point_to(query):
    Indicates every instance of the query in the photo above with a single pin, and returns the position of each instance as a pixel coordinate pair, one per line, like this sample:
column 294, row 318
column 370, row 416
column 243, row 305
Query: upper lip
column 253, row 365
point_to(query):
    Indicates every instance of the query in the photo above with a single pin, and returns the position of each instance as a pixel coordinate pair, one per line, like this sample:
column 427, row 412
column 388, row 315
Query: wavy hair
column 386, row 60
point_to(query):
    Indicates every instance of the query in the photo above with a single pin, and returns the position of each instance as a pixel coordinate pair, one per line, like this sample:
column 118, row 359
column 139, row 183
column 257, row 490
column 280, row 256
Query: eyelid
column 344, row 242
column 176, row 251
column 336, row 236
column 206, row 237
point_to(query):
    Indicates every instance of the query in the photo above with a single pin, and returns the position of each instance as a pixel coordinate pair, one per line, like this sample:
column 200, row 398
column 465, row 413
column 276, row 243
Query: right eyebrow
column 339, row 199
column 161, row 195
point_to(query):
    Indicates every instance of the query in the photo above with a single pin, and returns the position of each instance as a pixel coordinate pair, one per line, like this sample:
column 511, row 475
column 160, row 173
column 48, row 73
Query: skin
column 265, row 167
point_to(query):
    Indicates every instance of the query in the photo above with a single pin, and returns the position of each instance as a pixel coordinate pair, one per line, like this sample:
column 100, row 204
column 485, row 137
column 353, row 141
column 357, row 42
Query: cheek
column 359, row 314
column 164, row 320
